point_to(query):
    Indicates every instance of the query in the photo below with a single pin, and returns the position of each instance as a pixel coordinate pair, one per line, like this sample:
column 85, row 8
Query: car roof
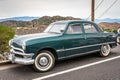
column 69, row 21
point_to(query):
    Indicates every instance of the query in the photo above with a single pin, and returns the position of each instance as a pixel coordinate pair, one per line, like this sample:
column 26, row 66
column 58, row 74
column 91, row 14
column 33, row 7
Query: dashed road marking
column 76, row 68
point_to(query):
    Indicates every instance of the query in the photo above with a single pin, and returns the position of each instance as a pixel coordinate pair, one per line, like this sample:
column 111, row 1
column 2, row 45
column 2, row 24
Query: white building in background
column 118, row 38
column 118, row 30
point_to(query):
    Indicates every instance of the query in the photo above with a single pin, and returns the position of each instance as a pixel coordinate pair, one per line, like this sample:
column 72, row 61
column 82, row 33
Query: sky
column 74, row 8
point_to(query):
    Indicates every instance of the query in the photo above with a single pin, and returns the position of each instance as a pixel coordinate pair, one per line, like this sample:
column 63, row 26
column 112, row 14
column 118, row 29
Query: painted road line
column 76, row 68
column 9, row 66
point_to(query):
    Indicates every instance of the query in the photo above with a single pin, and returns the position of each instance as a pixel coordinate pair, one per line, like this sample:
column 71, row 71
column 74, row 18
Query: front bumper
column 24, row 61
column 20, row 57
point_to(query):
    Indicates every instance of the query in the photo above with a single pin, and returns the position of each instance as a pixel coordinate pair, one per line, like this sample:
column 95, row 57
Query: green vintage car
column 61, row 40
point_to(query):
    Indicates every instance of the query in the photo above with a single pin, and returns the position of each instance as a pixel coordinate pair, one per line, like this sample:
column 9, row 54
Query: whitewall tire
column 105, row 50
column 44, row 61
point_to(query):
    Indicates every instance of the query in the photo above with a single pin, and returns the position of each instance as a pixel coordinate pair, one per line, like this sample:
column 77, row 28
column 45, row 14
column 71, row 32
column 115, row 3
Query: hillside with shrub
column 110, row 26
column 39, row 25
column 45, row 20
column 6, row 33
column 34, row 26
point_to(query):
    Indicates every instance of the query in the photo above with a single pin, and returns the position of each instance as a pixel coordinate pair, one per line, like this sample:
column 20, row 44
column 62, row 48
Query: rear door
column 93, row 38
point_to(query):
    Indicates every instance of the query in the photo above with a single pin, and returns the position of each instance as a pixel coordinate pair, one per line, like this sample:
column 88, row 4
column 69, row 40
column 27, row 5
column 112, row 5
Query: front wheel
column 105, row 50
column 44, row 61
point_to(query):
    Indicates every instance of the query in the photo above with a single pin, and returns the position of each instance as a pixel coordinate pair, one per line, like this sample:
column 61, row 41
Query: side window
column 74, row 29
column 89, row 28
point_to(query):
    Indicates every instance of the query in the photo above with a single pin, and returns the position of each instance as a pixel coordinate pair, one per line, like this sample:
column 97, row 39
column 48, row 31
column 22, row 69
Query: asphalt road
column 87, row 67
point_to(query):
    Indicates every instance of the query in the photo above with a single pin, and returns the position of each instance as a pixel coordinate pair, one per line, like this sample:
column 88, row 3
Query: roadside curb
column 4, row 62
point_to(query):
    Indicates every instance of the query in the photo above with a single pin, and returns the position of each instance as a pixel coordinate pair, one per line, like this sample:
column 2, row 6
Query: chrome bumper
column 24, row 61
column 20, row 57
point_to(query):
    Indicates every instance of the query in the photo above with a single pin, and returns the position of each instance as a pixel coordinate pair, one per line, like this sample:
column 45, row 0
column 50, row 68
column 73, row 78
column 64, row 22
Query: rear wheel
column 105, row 50
column 44, row 61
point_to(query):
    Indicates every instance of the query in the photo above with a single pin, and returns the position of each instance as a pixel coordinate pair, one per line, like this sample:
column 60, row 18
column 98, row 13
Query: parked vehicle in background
column 61, row 40
column 118, row 38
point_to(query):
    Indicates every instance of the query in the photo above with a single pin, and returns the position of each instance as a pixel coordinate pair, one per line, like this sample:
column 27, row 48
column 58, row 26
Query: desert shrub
column 6, row 33
column 114, row 30
column 108, row 30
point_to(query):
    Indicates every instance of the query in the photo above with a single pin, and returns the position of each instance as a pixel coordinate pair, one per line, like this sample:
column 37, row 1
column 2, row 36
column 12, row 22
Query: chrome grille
column 17, row 50
column 19, row 56
column 16, row 45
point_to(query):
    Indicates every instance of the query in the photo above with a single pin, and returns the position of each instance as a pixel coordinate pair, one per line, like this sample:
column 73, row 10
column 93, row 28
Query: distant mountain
column 35, row 22
column 109, row 20
column 23, row 18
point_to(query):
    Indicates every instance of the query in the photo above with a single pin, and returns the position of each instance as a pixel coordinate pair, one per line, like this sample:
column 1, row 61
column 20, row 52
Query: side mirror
column 62, row 30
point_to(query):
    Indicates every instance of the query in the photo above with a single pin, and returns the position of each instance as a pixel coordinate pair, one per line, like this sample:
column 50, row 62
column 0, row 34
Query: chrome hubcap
column 43, row 61
column 105, row 49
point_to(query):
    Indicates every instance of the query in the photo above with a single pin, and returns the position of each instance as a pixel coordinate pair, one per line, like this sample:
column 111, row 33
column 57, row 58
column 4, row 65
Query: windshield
column 55, row 28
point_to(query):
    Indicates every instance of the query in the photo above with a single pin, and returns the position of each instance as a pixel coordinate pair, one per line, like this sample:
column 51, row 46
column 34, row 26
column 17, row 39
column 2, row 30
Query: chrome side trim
column 61, row 50
column 79, row 54
column 111, row 42
column 82, row 47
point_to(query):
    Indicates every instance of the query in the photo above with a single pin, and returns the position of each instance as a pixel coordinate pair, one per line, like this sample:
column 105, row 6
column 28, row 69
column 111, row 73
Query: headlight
column 23, row 45
column 10, row 42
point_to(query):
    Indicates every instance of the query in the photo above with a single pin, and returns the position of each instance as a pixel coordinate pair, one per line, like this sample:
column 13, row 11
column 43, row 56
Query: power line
column 107, row 9
column 96, row 8
column 99, row 5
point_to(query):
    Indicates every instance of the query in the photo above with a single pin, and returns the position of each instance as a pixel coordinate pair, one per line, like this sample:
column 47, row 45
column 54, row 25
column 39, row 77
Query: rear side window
column 89, row 28
column 74, row 29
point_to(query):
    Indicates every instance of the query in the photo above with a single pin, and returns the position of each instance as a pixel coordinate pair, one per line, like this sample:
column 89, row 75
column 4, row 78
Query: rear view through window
column 89, row 28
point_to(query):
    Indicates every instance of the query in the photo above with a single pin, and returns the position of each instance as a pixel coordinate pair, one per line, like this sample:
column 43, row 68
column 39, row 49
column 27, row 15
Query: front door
column 74, row 39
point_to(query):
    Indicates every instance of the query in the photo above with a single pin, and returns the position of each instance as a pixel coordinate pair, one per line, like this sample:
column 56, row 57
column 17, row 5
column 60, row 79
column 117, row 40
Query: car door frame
column 69, row 51
column 93, row 40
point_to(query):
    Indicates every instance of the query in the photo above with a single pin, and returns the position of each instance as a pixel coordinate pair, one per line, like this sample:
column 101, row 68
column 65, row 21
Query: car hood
column 23, row 38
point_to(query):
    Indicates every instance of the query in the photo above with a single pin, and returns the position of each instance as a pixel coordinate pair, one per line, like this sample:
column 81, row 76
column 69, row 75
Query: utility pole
column 93, row 10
